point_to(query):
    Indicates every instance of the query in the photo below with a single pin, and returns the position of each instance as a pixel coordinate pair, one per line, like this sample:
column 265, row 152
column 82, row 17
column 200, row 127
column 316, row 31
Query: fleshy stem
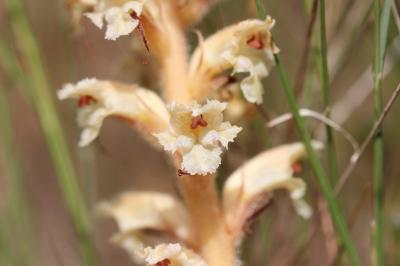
column 316, row 164
column 41, row 96
column 213, row 239
column 168, row 43
column 211, row 233
column 378, row 145
column 332, row 164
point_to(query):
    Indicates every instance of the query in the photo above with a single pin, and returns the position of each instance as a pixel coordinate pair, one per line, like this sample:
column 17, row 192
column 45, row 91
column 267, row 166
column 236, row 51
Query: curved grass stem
column 378, row 144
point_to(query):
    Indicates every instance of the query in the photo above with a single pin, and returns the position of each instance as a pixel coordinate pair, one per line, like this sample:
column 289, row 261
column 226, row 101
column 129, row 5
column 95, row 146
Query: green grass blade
column 384, row 28
column 381, row 26
column 332, row 163
column 262, row 14
column 43, row 102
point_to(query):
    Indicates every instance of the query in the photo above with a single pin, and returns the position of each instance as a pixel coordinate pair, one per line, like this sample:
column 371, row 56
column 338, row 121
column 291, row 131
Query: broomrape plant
column 190, row 122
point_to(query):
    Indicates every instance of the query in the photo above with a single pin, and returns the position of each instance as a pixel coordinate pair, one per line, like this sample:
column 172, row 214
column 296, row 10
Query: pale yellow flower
column 100, row 99
column 198, row 132
column 251, row 185
column 136, row 212
column 245, row 47
column 171, row 255
column 121, row 16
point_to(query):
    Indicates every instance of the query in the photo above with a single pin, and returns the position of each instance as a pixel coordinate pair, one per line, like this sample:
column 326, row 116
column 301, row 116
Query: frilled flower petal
column 261, row 175
column 172, row 143
column 172, row 255
column 100, row 99
column 202, row 161
column 138, row 211
column 119, row 23
column 246, row 47
column 197, row 132
column 212, row 112
column 224, row 134
column 251, row 85
column 118, row 16
column 252, row 89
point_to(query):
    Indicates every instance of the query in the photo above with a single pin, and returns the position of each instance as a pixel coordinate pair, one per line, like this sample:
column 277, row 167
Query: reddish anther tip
column 198, row 121
column 165, row 262
column 255, row 42
column 296, row 167
column 86, row 100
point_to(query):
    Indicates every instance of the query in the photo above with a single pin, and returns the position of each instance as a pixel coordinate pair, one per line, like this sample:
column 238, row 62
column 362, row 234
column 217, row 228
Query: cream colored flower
column 171, row 255
column 246, row 47
column 198, row 132
column 121, row 16
column 100, row 99
column 252, row 52
column 136, row 212
column 252, row 183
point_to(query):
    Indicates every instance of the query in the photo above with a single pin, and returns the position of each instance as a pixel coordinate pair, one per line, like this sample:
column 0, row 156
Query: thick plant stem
column 332, row 164
column 378, row 145
column 211, row 233
column 316, row 164
column 167, row 42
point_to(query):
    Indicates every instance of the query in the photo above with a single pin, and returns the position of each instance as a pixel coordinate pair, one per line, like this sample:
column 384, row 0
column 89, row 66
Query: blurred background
column 36, row 228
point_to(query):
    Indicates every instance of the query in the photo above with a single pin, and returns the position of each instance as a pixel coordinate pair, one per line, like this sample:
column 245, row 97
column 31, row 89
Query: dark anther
column 86, row 100
column 255, row 42
column 165, row 262
column 198, row 121
column 231, row 79
column 296, row 167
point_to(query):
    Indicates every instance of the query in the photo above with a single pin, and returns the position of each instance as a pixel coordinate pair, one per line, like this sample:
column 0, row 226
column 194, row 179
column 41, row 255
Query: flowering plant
column 190, row 121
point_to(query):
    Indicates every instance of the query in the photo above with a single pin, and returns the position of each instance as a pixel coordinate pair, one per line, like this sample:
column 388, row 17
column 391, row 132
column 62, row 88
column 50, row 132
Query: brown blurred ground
column 122, row 161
